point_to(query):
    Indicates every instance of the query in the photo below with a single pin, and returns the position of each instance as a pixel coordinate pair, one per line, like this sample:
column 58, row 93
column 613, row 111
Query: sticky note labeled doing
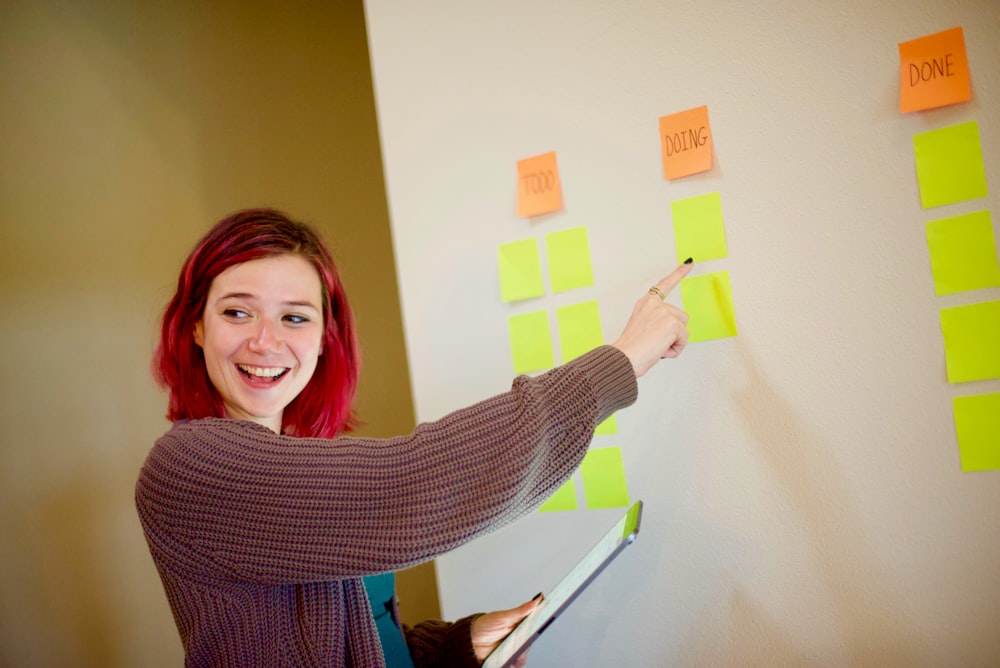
column 568, row 254
column 933, row 71
column 604, row 478
column 686, row 143
column 950, row 165
column 977, row 425
column 520, row 270
column 708, row 301
column 963, row 253
column 579, row 329
column 698, row 228
column 972, row 341
column 538, row 188
column 564, row 498
column 530, row 342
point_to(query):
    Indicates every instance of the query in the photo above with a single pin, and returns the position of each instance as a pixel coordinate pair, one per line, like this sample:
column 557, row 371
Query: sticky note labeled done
column 579, row 329
column 933, row 71
column 977, row 425
column 686, row 143
column 564, row 498
column 963, row 253
column 698, row 228
column 538, row 188
column 520, row 270
column 708, row 301
column 604, row 479
column 972, row 341
column 530, row 342
column 568, row 255
column 950, row 165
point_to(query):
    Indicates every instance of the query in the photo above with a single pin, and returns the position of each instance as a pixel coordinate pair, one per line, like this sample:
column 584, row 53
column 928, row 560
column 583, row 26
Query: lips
column 262, row 375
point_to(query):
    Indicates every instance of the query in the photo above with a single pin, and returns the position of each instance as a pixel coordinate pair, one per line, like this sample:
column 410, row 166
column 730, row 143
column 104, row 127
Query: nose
column 266, row 338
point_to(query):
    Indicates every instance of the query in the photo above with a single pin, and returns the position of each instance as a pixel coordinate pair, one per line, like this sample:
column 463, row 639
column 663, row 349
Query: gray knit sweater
column 261, row 540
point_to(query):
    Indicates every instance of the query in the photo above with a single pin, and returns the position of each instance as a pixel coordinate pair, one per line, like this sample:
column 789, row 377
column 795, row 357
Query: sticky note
column 972, row 341
column 530, row 342
column 568, row 254
column 708, row 300
column 609, row 426
column 579, row 329
column 564, row 498
column 604, row 479
column 538, row 188
column 933, row 71
column 963, row 253
column 698, row 228
column 977, row 425
column 950, row 165
column 686, row 143
column 520, row 270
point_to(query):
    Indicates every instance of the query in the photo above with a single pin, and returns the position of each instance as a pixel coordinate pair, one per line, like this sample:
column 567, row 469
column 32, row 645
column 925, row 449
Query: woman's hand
column 489, row 629
column 656, row 329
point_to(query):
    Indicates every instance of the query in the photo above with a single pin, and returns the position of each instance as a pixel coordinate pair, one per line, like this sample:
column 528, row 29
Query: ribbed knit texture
column 261, row 539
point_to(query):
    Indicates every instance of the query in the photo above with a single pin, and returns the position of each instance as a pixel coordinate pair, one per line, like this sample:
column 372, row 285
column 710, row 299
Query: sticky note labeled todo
column 708, row 301
column 538, row 188
column 971, row 336
column 686, row 143
column 950, row 165
column 963, row 253
column 933, row 71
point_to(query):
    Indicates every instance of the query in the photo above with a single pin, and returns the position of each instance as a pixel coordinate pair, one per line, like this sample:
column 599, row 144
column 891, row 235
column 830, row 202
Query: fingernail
column 689, row 260
column 537, row 596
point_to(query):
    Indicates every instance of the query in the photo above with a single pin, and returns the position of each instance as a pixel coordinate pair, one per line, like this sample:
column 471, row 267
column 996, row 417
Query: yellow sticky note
column 568, row 254
column 963, row 253
column 520, row 270
column 708, row 301
column 933, row 71
column 698, row 228
column 604, row 478
column 609, row 426
column 977, row 425
column 530, row 342
column 686, row 143
column 564, row 498
column 972, row 341
column 538, row 188
column 579, row 329
column 950, row 165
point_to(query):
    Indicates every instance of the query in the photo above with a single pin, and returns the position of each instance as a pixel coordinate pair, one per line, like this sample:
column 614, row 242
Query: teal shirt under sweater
column 381, row 592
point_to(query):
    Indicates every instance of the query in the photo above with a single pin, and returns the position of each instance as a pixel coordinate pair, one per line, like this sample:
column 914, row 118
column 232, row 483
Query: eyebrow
column 247, row 295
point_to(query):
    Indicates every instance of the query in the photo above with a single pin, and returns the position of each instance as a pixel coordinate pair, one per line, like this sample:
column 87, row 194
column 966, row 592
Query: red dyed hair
column 324, row 407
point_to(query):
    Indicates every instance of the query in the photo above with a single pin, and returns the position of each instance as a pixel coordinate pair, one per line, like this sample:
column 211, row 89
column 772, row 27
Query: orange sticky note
column 538, row 187
column 933, row 71
column 686, row 141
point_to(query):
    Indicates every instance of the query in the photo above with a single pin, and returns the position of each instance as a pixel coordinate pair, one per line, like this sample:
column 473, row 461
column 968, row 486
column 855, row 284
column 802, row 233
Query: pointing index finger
column 671, row 280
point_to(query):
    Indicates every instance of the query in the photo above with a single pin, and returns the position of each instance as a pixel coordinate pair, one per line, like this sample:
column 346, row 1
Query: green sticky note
column 579, row 329
column 972, row 341
column 568, row 254
column 609, row 426
column 698, row 228
column 950, row 165
column 977, row 425
column 963, row 253
column 520, row 270
column 530, row 342
column 563, row 499
column 708, row 300
column 604, row 478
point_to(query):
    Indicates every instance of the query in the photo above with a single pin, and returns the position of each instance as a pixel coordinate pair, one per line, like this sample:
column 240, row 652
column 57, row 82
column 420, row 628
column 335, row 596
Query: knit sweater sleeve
column 438, row 644
column 249, row 504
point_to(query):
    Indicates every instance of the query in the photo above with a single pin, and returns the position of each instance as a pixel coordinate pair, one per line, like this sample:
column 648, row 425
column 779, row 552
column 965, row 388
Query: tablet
column 610, row 546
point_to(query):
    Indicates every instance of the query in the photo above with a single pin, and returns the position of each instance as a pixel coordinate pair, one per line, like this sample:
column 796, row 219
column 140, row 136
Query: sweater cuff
column 456, row 647
column 610, row 374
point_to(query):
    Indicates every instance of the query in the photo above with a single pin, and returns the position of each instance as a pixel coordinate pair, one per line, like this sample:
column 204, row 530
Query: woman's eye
column 296, row 319
column 235, row 313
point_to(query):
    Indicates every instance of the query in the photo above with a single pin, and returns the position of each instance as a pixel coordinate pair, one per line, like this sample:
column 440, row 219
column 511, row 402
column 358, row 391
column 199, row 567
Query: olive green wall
column 127, row 130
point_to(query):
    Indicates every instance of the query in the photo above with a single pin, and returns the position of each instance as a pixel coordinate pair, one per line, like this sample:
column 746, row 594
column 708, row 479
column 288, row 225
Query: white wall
column 805, row 503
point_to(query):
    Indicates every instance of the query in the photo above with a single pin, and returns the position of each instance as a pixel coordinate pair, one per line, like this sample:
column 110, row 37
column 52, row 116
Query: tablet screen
column 621, row 534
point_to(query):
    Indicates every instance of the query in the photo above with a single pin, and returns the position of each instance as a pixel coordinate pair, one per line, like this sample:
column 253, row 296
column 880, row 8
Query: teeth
column 263, row 372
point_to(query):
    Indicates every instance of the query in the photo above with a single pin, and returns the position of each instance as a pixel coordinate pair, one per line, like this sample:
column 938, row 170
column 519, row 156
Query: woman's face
column 262, row 333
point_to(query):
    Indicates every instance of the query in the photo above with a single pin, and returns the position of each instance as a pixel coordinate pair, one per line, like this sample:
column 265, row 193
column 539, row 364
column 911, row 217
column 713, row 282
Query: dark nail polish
column 537, row 596
column 689, row 260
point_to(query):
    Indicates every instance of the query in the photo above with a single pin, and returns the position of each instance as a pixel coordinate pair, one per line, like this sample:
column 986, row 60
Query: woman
column 266, row 529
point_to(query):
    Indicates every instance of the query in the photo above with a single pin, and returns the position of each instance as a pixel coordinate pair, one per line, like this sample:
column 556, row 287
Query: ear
column 199, row 334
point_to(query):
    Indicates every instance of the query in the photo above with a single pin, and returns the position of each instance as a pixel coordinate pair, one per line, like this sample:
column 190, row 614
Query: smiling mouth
column 262, row 374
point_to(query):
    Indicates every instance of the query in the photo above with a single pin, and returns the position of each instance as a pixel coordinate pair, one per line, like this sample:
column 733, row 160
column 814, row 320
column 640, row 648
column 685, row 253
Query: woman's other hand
column 656, row 329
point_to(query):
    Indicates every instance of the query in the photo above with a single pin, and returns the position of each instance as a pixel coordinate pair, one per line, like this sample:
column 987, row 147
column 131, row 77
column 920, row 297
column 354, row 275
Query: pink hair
column 324, row 407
